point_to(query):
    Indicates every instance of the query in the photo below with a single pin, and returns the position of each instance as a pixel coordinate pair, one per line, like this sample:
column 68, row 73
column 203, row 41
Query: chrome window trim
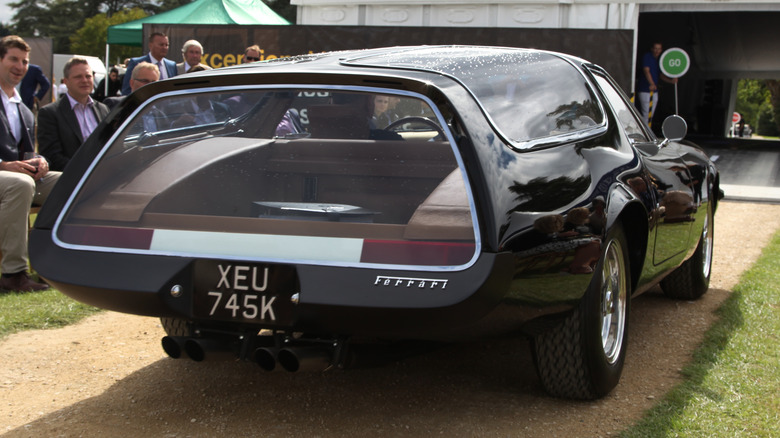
column 521, row 146
column 374, row 90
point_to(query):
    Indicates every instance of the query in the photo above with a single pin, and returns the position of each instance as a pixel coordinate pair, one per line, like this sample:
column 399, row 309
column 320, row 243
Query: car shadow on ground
column 482, row 388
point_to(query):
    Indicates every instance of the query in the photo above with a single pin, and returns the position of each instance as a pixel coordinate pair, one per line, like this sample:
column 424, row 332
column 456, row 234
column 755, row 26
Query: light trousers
column 645, row 107
column 18, row 192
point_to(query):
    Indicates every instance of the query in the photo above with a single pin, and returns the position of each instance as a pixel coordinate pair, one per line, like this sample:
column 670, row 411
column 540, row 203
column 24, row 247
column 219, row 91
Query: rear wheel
column 582, row 357
column 692, row 279
column 176, row 326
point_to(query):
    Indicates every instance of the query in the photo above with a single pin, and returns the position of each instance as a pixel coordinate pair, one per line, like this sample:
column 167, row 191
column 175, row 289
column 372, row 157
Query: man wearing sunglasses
column 143, row 73
column 251, row 54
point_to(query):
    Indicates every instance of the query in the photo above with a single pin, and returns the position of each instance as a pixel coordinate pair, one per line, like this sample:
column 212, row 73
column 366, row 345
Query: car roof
column 446, row 59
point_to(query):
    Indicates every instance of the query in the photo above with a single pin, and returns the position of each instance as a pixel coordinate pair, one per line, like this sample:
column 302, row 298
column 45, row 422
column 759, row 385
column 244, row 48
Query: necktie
column 160, row 66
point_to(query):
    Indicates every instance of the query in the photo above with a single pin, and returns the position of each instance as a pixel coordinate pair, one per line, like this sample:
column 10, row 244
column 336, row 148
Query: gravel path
column 108, row 376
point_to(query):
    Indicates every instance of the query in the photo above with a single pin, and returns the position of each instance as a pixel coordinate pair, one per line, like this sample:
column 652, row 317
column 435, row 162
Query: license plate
column 246, row 292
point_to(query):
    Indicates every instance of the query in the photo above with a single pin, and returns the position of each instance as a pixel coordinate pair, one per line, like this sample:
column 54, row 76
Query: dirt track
column 108, row 376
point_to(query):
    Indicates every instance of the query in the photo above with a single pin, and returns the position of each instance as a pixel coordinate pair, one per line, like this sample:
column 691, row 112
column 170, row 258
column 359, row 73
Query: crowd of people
column 30, row 163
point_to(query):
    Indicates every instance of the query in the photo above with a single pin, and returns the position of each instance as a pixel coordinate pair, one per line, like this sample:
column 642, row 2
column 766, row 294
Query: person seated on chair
column 24, row 181
column 64, row 125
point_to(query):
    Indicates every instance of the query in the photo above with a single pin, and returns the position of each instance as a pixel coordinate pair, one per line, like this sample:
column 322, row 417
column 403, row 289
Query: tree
column 91, row 38
column 752, row 94
column 60, row 19
column 758, row 101
column 774, row 99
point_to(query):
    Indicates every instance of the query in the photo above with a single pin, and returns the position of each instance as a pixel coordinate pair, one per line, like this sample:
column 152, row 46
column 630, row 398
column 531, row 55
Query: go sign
column 674, row 62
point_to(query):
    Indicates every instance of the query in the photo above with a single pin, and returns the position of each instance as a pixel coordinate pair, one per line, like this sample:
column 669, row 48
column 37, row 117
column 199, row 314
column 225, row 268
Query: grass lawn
column 732, row 385
column 39, row 310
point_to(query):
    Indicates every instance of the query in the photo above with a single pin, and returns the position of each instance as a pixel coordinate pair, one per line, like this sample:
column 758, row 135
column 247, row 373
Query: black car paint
column 345, row 300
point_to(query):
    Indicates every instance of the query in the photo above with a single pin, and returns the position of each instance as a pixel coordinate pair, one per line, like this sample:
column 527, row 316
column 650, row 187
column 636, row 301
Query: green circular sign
column 674, row 62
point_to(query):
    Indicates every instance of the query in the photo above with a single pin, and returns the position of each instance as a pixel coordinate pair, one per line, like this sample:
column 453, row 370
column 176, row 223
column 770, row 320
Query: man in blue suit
column 34, row 79
column 158, row 48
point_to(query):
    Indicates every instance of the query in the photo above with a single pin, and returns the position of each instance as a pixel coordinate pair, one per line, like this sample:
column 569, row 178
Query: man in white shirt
column 24, row 181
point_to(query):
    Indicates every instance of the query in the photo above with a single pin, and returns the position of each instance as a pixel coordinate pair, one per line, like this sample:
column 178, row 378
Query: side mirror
column 674, row 128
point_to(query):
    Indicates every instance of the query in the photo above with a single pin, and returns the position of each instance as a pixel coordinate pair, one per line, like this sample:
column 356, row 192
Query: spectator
column 114, row 86
column 24, row 181
column 191, row 53
column 158, row 48
column 143, row 73
column 251, row 54
column 65, row 125
column 62, row 89
column 648, row 83
column 34, row 79
column 382, row 116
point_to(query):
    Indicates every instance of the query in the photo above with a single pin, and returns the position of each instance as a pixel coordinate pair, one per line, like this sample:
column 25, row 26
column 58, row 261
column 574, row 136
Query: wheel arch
column 633, row 217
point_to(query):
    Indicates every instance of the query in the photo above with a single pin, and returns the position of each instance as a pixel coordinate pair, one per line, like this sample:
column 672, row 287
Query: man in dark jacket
column 64, row 125
column 34, row 86
column 23, row 180
column 113, row 88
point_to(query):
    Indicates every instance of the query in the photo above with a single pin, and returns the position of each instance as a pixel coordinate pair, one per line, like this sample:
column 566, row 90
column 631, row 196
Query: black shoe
column 20, row 282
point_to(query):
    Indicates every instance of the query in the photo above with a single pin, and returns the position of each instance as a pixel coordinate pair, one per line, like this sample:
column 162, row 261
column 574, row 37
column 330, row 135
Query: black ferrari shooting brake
column 282, row 212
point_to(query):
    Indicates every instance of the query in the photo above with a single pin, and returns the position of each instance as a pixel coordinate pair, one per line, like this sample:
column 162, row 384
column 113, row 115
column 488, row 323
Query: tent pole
column 108, row 73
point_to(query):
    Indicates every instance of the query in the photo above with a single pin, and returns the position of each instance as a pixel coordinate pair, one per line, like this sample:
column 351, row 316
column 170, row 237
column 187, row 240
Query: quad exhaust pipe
column 316, row 358
column 197, row 349
column 308, row 357
column 294, row 359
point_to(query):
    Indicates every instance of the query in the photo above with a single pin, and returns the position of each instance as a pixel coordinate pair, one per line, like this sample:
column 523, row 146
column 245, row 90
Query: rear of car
column 281, row 212
column 265, row 201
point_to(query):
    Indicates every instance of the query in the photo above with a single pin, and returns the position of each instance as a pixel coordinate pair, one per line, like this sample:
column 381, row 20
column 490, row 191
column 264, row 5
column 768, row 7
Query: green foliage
column 752, row 94
column 90, row 39
column 766, row 125
column 79, row 26
column 730, row 387
column 758, row 105
column 60, row 19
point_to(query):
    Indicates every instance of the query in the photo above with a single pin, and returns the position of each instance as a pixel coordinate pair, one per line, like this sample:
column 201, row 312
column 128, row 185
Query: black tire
column 574, row 359
column 176, row 326
column 691, row 280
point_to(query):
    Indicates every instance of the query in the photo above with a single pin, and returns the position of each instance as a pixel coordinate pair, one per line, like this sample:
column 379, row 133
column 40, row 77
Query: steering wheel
column 417, row 119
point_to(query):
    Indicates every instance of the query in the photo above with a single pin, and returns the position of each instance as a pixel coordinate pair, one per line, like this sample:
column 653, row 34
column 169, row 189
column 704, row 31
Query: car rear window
column 528, row 95
column 296, row 175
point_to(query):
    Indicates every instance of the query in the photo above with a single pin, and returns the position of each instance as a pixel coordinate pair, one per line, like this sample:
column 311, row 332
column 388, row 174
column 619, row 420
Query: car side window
column 625, row 115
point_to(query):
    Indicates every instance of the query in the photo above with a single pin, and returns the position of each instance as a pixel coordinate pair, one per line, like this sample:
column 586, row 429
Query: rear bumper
column 332, row 300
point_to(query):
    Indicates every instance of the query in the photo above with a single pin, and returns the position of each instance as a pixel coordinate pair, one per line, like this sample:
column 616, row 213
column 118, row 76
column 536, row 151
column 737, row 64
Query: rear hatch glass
column 327, row 176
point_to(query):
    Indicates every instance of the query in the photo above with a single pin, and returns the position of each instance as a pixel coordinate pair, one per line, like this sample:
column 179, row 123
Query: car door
column 671, row 201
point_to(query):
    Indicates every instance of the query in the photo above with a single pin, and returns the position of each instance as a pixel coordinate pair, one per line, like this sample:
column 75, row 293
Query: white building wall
column 578, row 14
column 563, row 14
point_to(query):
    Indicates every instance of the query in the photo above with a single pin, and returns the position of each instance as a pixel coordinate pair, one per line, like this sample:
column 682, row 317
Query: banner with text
column 224, row 45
